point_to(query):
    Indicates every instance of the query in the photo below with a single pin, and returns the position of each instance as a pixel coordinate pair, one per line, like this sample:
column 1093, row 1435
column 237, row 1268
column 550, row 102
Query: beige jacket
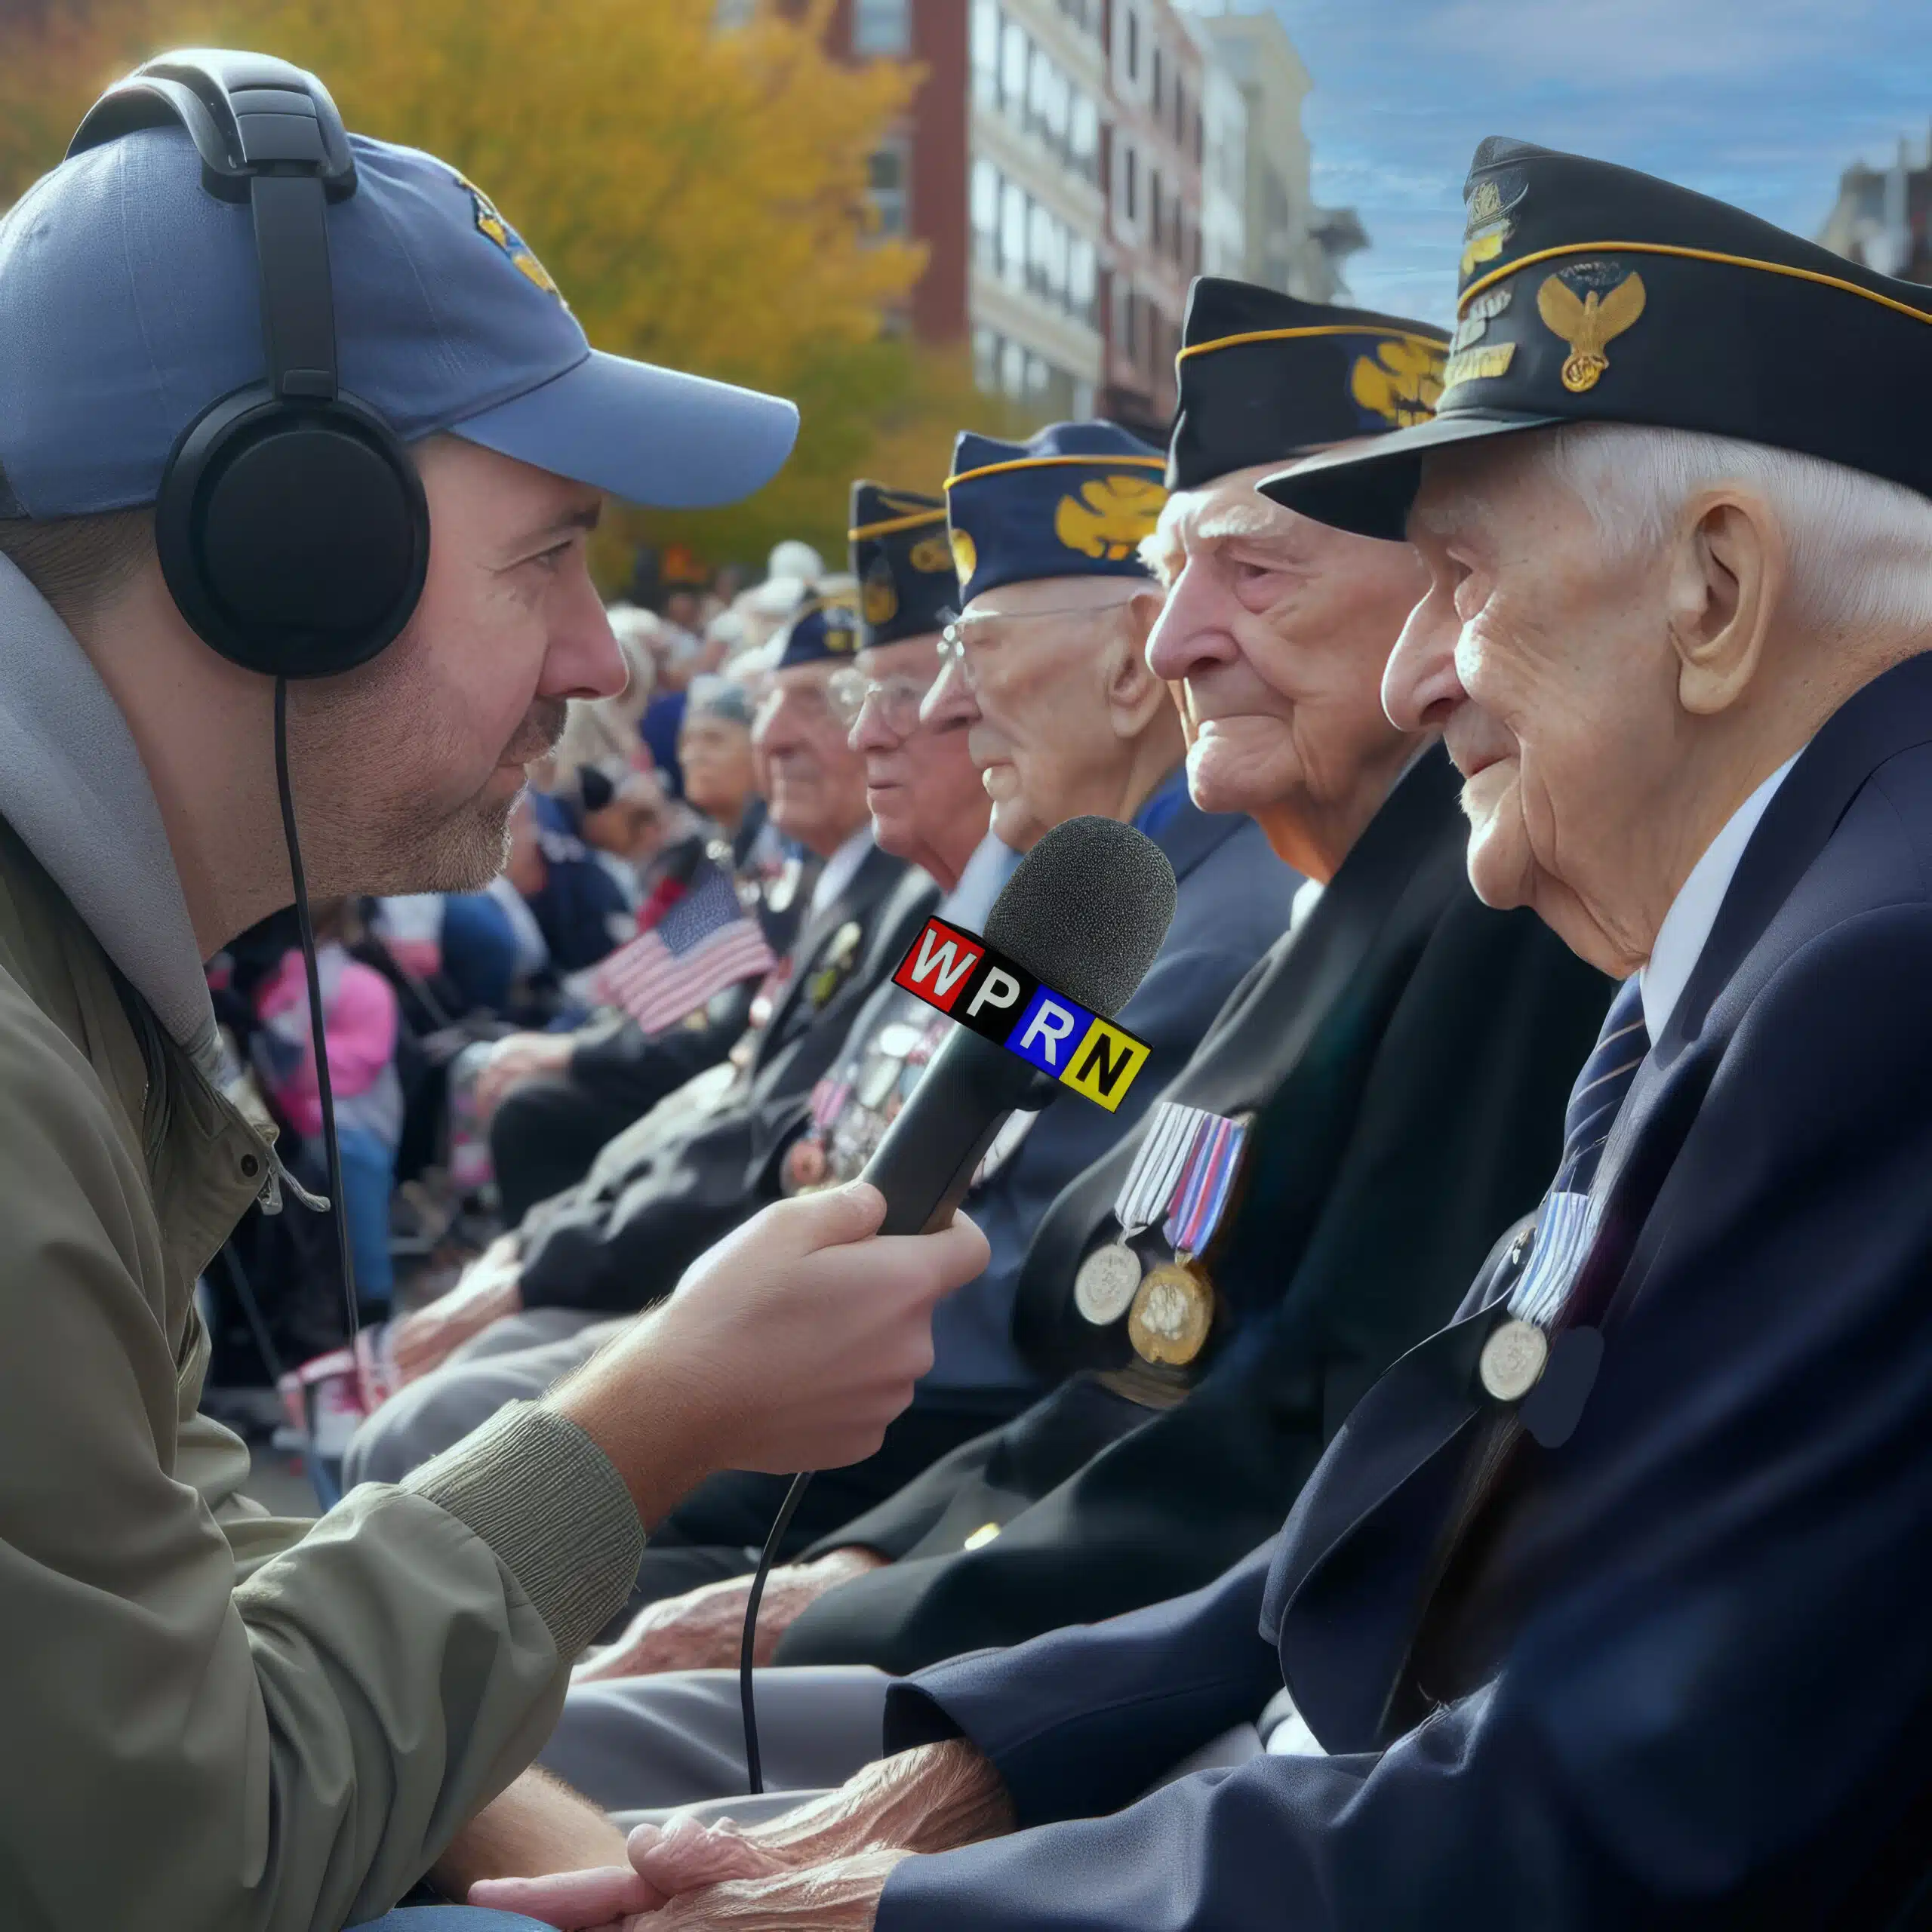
column 209, row 1718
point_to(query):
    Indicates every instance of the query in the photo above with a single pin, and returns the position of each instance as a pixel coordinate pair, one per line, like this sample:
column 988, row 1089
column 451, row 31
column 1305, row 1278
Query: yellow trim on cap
column 1289, row 335
column 1050, row 462
column 1475, row 288
column 893, row 523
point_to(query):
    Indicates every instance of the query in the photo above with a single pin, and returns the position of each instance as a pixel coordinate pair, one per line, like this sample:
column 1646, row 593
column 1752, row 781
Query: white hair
column 1861, row 548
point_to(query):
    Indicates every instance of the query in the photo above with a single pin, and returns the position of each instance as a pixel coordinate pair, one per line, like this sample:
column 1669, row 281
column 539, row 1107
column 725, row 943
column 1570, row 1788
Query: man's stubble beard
column 400, row 848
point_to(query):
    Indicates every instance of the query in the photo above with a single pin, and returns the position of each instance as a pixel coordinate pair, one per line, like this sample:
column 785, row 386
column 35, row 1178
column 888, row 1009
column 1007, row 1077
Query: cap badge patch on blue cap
column 930, row 554
column 1591, row 322
column 881, row 599
column 1400, row 383
column 965, row 558
column 1488, row 230
column 1109, row 519
column 490, row 223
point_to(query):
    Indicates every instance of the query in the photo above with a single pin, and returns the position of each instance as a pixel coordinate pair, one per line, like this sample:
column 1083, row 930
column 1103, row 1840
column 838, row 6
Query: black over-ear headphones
column 291, row 524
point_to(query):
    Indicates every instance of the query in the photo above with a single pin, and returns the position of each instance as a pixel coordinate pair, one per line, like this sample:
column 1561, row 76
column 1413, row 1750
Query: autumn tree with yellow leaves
column 699, row 195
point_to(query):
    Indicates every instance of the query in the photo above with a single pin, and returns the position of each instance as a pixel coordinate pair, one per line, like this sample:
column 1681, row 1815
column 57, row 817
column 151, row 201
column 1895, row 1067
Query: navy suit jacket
column 1677, row 1670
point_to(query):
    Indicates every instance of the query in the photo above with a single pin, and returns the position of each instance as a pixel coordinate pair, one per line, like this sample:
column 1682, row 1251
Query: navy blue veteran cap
column 1074, row 502
column 824, row 630
column 1263, row 376
column 902, row 561
column 129, row 302
column 1593, row 293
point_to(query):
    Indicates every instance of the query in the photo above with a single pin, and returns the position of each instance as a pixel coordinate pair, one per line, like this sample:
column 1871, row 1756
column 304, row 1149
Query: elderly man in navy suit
column 1606, row 1607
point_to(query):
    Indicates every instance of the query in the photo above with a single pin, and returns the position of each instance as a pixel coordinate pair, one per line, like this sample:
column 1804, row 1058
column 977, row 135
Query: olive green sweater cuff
column 550, row 1504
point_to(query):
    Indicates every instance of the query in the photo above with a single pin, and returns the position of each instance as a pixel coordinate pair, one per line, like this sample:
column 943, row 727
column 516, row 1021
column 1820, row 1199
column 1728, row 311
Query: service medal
column 1172, row 1313
column 1513, row 1360
column 1104, row 1289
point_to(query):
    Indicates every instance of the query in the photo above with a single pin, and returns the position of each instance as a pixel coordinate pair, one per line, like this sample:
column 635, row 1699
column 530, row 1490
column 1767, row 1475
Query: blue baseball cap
column 129, row 302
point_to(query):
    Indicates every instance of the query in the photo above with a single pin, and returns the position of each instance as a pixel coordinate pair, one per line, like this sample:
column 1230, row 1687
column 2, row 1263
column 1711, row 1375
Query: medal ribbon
column 1203, row 1193
column 1149, row 1186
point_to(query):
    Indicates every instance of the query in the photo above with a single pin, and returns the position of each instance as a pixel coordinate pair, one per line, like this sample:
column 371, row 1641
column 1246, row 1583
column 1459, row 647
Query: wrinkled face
column 1547, row 664
column 715, row 754
column 1275, row 635
column 921, row 785
column 816, row 782
column 407, row 769
column 1030, row 676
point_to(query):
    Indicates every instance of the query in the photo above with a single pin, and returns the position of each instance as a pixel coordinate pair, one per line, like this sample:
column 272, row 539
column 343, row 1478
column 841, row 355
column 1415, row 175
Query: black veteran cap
column 1074, row 502
column 823, row 629
column 1592, row 293
column 902, row 561
column 1263, row 376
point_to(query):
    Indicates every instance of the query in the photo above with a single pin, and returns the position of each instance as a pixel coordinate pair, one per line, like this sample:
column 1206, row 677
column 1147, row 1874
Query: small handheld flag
column 705, row 941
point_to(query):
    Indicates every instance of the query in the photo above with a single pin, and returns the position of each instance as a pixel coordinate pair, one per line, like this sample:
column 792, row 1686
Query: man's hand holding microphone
column 789, row 1346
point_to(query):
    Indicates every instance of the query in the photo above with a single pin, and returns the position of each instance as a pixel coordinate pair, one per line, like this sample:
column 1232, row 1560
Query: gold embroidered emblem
column 965, row 558
column 1485, row 246
column 1588, row 324
column 1109, row 517
column 930, row 555
column 882, row 600
column 1473, row 364
column 492, row 224
column 841, row 631
column 1400, row 383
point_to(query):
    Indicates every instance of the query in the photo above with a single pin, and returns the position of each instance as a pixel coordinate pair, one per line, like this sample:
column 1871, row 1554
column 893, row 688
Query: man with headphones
column 300, row 451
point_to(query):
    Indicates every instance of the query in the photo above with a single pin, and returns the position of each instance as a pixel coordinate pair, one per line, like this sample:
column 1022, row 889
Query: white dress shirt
column 1687, row 926
column 841, row 868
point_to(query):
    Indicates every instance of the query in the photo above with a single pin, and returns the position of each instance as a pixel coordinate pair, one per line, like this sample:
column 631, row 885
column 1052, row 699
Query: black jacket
column 668, row 1186
column 1408, row 1052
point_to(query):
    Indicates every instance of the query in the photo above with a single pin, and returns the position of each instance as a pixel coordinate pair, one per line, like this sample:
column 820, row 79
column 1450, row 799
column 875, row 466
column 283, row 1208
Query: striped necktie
column 1600, row 1088
column 1568, row 1219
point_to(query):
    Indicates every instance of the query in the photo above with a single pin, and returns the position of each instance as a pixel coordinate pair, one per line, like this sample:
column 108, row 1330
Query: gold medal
column 1103, row 1290
column 804, row 1166
column 1513, row 1360
column 1171, row 1314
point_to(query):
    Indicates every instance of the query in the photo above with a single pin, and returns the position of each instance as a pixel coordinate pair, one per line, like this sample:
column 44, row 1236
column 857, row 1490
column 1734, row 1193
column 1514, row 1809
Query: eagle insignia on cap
column 1400, row 383
column 965, row 557
column 930, row 554
column 881, row 601
column 1590, row 322
column 1109, row 517
column 492, row 224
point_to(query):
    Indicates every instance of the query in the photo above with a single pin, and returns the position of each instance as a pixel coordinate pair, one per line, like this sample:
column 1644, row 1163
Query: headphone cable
column 317, row 1033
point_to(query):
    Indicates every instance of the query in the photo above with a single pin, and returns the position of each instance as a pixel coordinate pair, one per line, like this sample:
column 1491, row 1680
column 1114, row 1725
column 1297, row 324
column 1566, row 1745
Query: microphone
column 1083, row 916
column 1084, row 913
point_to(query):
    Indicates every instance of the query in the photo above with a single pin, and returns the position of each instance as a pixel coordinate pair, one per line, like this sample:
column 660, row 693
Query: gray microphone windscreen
column 1086, row 911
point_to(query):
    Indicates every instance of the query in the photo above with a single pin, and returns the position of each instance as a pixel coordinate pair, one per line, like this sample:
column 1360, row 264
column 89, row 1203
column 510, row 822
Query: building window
column 886, row 174
column 986, row 358
column 1158, row 91
column 1133, row 45
column 881, row 26
column 1013, row 233
column 1013, row 66
column 1131, row 195
column 1082, row 273
column 1154, row 204
column 1013, row 369
column 1084, row 136
column 985, row 200
column 986, row 53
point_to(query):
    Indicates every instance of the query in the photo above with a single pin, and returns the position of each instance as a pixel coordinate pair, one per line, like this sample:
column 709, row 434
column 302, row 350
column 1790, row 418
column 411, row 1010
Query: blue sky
column 1762, row 103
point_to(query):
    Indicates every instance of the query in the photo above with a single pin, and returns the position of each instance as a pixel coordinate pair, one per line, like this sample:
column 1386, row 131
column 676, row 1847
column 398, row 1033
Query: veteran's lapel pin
column 1590, row 322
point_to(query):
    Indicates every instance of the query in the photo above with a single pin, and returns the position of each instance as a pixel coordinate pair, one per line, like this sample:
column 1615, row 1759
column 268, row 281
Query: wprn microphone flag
column 995, row 997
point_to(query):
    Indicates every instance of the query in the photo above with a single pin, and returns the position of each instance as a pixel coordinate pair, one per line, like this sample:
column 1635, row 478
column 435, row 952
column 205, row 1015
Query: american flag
column 705, row 943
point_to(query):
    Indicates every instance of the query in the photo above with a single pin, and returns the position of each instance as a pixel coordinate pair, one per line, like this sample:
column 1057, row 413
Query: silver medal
column 1104, row 1289
column 1513, row 1360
